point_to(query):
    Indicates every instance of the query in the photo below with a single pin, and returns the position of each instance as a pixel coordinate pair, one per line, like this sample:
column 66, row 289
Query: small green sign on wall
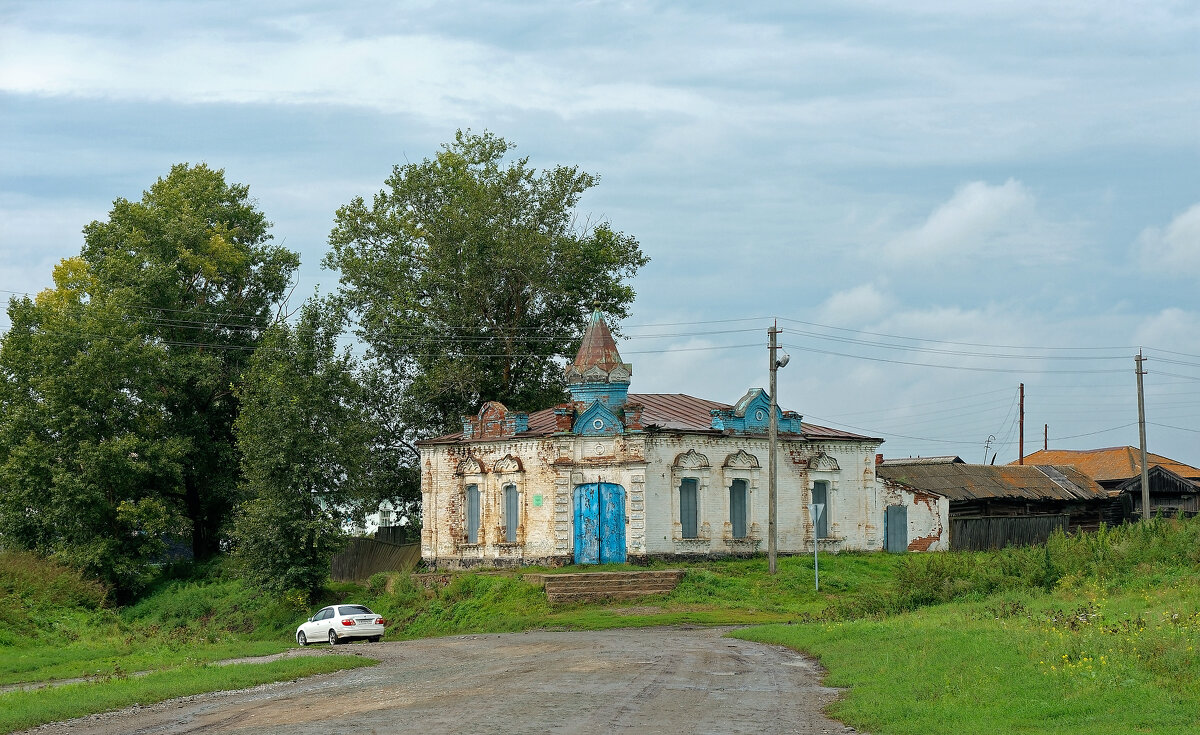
column 537, row 501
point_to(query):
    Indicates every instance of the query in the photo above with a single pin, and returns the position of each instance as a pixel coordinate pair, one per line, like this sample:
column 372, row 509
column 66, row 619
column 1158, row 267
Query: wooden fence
column 365, row 556
column 996, row 532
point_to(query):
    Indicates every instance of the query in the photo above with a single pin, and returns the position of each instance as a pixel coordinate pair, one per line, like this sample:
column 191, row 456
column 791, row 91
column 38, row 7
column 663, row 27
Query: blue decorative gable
column 751, row 415
column 597, row 420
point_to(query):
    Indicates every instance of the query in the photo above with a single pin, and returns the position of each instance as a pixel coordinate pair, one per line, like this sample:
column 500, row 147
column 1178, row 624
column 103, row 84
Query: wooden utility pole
column 772, row 452
column 1045, row 436
column 1021, row 444
column 1142, row 436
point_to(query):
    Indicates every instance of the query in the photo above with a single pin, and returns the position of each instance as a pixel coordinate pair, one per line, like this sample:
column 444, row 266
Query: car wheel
column 301, row 638
column 333, row 639
column 375, row 638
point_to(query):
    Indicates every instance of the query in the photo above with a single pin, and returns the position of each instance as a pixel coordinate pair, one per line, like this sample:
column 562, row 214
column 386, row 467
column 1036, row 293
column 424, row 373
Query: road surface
column 652, row 680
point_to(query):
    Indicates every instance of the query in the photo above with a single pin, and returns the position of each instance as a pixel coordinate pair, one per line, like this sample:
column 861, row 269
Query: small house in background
column 1174, row 486
column 944, row 503
column 613, row 476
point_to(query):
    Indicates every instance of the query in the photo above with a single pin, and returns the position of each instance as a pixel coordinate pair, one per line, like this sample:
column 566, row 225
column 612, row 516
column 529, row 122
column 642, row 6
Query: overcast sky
column 933, row 198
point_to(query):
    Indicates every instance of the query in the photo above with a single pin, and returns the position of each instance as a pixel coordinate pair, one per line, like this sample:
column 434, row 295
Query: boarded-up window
column 512, row 513
column 820, row 496
column 738, row 496
column 689, row 506
column 472, row 514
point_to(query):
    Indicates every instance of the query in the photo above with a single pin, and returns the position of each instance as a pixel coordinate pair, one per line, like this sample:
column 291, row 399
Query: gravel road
column 653, row 680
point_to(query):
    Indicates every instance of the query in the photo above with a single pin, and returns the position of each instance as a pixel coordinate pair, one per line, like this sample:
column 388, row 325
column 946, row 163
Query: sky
column 936, row 201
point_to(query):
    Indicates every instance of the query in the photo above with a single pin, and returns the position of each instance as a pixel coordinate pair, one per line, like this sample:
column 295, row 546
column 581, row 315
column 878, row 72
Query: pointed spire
column 598, row 347
column 598, row 360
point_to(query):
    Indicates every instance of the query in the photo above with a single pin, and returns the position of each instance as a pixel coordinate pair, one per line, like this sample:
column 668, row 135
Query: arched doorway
column 599, row 523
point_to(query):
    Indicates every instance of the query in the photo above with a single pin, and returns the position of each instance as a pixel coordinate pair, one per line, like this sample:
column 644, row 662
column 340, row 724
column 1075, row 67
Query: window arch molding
column 693, row 466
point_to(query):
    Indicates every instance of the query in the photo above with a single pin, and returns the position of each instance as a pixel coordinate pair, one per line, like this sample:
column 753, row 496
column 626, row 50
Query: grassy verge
column 25, row 709
column 1114, row 665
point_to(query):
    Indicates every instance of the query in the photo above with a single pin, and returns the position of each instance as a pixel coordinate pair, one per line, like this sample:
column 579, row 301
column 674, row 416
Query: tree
column 304, row 435
column 116, row 398
column 470, row 278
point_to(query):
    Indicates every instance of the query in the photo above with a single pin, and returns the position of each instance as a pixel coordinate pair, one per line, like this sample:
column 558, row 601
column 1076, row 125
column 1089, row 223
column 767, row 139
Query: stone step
column 593, row 586
column 611, row 586
column 567, row 597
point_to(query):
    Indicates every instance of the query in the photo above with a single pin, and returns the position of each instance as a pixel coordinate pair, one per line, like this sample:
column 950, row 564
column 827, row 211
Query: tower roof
column 598, row 359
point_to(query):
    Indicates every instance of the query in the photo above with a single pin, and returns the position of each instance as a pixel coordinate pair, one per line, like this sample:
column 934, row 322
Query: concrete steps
column 597, row 586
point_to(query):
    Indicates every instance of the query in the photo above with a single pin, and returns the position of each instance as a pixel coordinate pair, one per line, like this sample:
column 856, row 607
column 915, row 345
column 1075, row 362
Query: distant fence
column 365, row 556
column 996, row 532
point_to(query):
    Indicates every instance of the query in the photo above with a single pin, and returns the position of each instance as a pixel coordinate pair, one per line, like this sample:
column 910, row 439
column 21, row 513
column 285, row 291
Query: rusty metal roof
column 598, row 346
column 960, row 481
column 665, row 412
column 946, row 459
column 1111, row 463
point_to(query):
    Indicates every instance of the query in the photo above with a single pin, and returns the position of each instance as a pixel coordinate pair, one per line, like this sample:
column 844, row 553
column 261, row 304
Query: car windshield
column 355, row 610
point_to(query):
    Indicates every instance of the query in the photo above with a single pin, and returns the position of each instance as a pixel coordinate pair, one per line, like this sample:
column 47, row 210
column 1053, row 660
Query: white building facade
column 614, row 477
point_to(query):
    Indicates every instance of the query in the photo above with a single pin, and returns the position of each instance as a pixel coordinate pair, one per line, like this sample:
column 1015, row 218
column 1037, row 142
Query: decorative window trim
column 510, row 471
column 740, row 465
column 694, row 465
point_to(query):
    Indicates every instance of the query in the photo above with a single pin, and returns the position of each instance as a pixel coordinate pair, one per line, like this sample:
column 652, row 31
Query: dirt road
column 656, row 680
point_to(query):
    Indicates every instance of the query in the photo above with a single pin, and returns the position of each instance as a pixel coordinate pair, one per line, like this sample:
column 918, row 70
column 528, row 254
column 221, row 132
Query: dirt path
column 656, row 680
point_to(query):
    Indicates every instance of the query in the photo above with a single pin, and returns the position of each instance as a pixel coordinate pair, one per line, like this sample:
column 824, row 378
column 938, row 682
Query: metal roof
column 667, row 412
column 960, row 481
column 1111, row 463
column 948, row 459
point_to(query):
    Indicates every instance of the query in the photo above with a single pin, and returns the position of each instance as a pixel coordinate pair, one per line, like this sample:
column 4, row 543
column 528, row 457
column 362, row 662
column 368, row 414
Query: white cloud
column 1175, row 250
column 979, row 219
column 859, row 305
column 1170, row 329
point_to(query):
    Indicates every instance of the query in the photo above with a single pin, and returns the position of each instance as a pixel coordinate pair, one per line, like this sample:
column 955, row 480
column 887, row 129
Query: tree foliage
column 305, row 437
column 116, row 402
column 471, row 276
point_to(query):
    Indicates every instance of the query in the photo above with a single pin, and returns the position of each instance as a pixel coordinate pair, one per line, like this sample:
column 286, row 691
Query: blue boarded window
column 739, row 494
column 512, row 513
column 820, row 496
column 689, row 506
column 472, row 514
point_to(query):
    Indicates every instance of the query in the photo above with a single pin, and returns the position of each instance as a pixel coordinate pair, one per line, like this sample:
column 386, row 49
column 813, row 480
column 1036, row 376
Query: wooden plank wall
column 365, row 556
column 996, row 532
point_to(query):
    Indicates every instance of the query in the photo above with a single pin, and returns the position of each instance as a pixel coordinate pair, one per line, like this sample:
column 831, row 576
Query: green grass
column 25, row 709
column 951, row 642
column 1058, row 663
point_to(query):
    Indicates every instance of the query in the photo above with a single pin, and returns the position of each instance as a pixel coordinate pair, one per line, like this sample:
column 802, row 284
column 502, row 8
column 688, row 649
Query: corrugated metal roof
column 1111, row 463
column 668, row 412
column 980, row 481
column 948, row 459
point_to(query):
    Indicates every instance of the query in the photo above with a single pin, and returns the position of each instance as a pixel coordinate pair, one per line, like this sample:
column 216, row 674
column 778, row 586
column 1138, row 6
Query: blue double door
column 599, row 523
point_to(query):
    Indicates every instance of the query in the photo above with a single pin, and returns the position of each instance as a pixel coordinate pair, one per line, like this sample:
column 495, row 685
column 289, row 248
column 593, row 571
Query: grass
column 951, row 642
column 25, row 709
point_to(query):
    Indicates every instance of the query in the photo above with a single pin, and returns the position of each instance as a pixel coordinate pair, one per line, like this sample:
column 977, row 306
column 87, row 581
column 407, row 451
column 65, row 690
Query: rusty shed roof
column 1111, row 463
column 665, row 412
column 958, row 481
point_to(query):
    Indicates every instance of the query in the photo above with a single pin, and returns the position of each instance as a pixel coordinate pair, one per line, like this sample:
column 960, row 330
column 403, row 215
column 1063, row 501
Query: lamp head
column 783, row 361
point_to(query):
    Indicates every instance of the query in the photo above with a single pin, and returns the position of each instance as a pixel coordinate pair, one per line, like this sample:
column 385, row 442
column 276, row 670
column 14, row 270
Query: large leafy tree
column 305, row 435
column 120, row 380
column 470, row 276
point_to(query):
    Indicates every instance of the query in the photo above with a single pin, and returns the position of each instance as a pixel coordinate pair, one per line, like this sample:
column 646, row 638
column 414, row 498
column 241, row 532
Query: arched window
column 512, row 513
column 739, row 495
column 472, row 514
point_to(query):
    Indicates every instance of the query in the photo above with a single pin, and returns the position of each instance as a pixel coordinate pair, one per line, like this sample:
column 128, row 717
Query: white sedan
column 339, row 624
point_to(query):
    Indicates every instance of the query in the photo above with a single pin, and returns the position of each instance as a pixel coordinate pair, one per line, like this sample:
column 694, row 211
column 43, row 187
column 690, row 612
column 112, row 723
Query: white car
column 339, row 624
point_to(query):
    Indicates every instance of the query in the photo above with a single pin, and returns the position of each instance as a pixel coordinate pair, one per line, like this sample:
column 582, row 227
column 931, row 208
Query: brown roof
column 668, row 412
column 598, row 346
column 958, row 481
column 1113, row 463
column 945, row 459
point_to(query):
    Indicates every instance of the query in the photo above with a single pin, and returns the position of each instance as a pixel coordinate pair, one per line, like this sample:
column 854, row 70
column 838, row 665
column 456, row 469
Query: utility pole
column 1045, row 436
column 1021, row 445
column 1142, row 436
column 772, row 452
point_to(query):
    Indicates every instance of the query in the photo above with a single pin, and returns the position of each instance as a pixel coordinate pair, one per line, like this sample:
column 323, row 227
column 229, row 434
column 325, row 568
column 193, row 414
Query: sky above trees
column 934, row 198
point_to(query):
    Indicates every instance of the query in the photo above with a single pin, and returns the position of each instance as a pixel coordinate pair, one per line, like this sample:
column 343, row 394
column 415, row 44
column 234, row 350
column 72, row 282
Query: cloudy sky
column 937, row 200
